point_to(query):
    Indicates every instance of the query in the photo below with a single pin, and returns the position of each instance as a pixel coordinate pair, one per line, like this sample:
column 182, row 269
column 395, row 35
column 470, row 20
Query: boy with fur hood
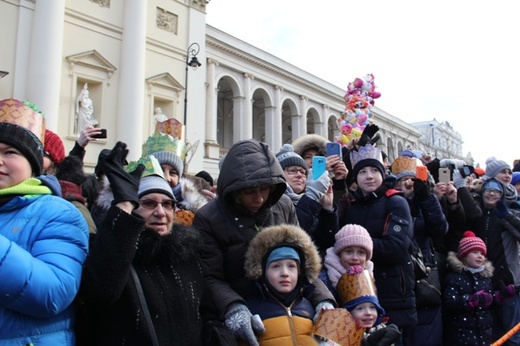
column 468, row 294
column 284, row 263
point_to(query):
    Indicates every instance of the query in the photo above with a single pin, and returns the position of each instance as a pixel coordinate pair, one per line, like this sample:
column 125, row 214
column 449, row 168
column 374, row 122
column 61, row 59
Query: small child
column 468, row 294
column 284, row 263
column 353, row 246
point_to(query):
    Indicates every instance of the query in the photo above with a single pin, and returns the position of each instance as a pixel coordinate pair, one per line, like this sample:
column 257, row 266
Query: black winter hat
column 71, row 169
column 24, row 140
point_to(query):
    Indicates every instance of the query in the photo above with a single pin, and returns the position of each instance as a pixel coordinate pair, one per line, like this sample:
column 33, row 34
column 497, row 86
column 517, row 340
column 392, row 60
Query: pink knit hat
column 470, row 243
column 353, row 235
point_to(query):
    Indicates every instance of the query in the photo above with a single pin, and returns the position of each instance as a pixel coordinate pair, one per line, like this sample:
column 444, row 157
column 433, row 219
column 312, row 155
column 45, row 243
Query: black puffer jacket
column 393, row 270
column 227, row 227
column 465, row 325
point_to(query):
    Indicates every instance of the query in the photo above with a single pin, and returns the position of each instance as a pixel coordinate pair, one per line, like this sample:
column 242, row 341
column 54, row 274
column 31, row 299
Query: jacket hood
column 274, row 236
column 250, row 164
column 310, row 141
column 458, row 267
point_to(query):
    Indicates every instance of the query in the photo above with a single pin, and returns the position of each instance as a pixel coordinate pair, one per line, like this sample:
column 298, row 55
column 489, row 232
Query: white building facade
column 132, row 54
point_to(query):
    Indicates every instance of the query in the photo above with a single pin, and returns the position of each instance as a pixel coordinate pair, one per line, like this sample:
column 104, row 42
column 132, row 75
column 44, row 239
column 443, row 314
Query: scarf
column 292, row 195
column 71, row 191
column 475, row 270
column 29, row 187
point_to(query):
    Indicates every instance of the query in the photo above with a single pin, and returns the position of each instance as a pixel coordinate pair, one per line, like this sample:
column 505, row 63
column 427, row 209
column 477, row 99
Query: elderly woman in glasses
column 313, row 199
column 139, row 245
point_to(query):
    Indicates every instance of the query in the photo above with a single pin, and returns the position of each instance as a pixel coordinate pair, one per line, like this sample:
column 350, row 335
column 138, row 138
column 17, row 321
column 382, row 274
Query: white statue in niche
column 158, row 115
column 84, row 111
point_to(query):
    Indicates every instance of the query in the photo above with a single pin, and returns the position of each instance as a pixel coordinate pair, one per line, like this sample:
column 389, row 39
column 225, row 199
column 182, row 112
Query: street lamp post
column 193, row 62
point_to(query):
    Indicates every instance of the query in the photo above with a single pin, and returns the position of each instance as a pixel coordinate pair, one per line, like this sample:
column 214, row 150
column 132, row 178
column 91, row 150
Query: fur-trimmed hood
column 271, row 237
column 457, row 266
column 309, row 141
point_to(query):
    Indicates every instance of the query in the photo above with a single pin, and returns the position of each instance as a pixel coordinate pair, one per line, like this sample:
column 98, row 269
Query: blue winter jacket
column 43, row 244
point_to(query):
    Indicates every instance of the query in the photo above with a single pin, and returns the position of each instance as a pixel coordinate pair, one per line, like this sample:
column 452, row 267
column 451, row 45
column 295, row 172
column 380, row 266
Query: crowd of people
column 370, row 252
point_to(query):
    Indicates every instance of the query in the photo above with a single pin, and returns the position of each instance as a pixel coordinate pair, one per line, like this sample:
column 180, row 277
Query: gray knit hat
column 169, row 158
column 495, row 166
column 154, row 184
column 287, row 157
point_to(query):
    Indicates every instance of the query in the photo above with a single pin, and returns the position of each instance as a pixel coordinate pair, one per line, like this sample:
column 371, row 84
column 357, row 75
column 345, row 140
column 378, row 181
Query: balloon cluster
column 359, row 100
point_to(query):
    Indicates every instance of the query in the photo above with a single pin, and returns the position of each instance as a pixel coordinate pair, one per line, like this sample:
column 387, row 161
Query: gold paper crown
column 366, row 152
column 23, row 114
column 352, row 286
column 163, row 142
column 404, row 165
column 151, row 166
column 338, row 326
column 172, row 127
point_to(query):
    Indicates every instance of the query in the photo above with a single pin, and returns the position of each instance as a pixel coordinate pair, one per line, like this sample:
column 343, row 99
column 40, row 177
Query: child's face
column 369, row 179
column 283, row 275
column 365, row 315
column 171, row 175
column 353, row 255
column 14, row 167
column 475, row 259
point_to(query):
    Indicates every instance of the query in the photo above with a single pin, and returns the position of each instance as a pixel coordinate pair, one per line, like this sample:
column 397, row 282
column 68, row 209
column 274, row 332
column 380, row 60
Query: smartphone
column 319, row 165
column 421, row 172
column 333, row 148
column 103, row 134
column 444, row 175
column 466, row 171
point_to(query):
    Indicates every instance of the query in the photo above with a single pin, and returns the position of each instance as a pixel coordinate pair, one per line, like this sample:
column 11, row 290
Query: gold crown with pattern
column 24, row 114
column 404, row 166
column 338, row 327
column 172, row 127
column 366, row 152
column 354, row 285
column 164, row 142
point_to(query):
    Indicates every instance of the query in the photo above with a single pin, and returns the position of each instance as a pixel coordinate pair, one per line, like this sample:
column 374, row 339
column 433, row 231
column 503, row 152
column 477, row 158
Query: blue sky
column 455, row 61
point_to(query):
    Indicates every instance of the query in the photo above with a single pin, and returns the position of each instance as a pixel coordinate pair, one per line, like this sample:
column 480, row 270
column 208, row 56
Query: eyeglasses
column 294, row 171
column 493, row 191
column 150, row 204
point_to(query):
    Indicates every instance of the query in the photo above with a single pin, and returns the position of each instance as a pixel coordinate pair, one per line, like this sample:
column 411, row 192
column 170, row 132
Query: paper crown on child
column 151, row 166
column 338, row 326
column 164, row 142
column 172, row 127
column 404, row 166
column 357, row 286
column 23, row 114
column 22, row 125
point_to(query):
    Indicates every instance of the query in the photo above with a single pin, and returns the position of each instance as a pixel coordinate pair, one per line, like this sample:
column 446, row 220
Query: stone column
column 212, row 147
column 277, row 119
column 44, row 68
column 247, row 116
column 129, row 125
column 270, row 114
column 238, row 116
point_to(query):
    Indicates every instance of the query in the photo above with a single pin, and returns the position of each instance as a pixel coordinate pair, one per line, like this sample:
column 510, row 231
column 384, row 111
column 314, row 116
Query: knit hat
column 366, row 156
column 404, row 166
column 171, row 159
column 353, row 235
column 54, row 146
column 495, row 166
column 357, row 286
column 154, row 184
column 22, row 125
column 516, row 178
column 288, row 158
column 493, row 184
column 280, row 253
column 206, row 176
column 469, row 243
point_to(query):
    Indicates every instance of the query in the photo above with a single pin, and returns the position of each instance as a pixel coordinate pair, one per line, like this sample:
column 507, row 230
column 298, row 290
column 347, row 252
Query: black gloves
column 501, row 209
column 369, row 135
column 383, row 337
column 420, row 190
column 124, row 185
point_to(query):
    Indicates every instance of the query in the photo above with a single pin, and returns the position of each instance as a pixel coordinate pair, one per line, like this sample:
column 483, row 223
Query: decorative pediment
column 93, row 60
column 165, row 81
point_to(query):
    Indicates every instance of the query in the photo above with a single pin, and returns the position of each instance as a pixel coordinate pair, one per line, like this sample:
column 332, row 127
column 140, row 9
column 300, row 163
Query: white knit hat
column 495, row 166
